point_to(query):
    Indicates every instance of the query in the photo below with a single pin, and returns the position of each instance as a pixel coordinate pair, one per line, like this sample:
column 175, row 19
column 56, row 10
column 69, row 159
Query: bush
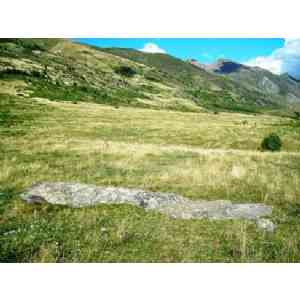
column 297, row 115
column 125, row 71
column 271, row 142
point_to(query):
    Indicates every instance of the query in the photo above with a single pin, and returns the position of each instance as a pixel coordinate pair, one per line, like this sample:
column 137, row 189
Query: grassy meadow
column 201, row 155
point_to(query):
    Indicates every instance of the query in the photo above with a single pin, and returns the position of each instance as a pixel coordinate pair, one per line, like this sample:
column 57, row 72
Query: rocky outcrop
column 81, row 195
column 268, row 85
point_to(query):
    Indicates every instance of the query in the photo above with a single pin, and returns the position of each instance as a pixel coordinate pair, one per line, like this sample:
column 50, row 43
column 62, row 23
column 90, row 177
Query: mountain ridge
column 257, row 78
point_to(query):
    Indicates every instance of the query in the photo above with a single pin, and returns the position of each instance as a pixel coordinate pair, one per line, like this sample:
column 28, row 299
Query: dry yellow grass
column 198, row 155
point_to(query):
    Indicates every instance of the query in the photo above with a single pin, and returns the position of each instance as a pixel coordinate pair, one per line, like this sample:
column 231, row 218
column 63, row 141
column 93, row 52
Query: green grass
column 124, row 233
column 115, row 97
column 17, row 116
column 198, row 155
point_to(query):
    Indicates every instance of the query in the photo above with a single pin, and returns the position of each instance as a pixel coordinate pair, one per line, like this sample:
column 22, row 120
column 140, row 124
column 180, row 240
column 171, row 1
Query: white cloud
column 266, row 62
column 152, row 48
column 282, row 60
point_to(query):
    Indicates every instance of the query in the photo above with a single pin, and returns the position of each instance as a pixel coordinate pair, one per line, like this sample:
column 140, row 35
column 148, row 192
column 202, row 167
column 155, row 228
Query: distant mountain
column 285, row 88
column 221, row 66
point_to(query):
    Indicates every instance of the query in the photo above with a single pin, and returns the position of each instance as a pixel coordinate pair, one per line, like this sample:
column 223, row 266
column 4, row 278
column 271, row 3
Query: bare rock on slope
column 81, row 195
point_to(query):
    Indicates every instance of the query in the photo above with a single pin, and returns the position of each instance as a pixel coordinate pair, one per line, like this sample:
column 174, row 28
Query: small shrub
column 271, row 142
column 125, row 71
column 84, row 88
column 297, row 115
column 294, row 210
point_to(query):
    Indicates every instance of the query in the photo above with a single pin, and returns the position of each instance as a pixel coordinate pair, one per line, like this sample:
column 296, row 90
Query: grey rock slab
column 80, row 195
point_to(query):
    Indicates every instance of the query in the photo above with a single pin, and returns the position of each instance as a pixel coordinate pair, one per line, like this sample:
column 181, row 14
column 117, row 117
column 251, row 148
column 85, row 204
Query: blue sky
column 204, row 50
column 278, row 55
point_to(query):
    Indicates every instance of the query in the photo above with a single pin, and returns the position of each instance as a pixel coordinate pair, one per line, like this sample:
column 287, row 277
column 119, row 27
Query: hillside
column 64, row 70
column 72, row 72
column 283, row 88
column 207, row 90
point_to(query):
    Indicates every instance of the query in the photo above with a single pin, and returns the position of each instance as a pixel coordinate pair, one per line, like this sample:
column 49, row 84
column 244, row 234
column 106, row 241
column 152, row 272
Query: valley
column 73, row 113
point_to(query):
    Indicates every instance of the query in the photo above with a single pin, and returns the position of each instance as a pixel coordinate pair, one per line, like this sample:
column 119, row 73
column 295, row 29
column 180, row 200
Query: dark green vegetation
column 271, row 142
column 297, row 115
column 74, row 113
column 19, row 48
column 125, row 71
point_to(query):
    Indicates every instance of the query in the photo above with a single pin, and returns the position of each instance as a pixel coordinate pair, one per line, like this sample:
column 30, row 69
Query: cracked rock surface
column 81, row 195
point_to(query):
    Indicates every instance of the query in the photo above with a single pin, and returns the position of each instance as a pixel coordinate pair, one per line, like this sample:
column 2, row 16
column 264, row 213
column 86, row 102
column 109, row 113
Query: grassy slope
column 210, row 90
column 198, row 155
column 66, row 71
column 60, row 69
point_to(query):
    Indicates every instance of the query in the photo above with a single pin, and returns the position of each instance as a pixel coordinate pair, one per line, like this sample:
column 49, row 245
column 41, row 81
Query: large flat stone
column 80, row 195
